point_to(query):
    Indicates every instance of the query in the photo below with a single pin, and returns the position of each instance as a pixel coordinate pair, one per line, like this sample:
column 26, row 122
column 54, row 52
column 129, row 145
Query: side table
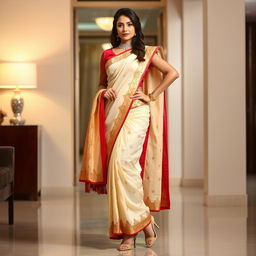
column 26, row 141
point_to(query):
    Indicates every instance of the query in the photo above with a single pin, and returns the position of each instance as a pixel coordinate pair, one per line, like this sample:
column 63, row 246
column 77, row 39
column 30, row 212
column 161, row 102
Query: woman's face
column 125, row 29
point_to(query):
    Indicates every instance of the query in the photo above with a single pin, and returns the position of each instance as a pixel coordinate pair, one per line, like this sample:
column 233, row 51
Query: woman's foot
column 150, row 233
column 127, row 243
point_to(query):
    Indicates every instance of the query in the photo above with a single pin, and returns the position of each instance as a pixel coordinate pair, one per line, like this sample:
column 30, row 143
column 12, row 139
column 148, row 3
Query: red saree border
column 143, row 154
column 165, row 198
column 103, row 145
column 117, row 54
column 116, row 57
column 161, row 208
column 92, row 182
column 120, row 235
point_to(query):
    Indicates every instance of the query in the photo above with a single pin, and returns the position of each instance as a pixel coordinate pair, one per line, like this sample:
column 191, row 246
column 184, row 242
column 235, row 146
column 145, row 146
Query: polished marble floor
column 68, row 222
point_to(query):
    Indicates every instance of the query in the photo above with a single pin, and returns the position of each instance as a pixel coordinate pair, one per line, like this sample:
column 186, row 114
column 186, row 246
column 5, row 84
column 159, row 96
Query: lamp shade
column 18, row 74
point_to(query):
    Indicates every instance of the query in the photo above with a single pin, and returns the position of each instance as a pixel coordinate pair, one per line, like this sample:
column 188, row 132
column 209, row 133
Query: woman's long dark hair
column 138, row 46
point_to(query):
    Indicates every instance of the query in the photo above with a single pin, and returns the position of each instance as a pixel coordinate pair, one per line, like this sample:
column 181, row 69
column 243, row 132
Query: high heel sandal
column 151, row 240
column 125, row 247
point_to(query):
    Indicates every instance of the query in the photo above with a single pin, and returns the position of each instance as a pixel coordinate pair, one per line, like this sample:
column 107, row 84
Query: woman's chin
column 125, row 38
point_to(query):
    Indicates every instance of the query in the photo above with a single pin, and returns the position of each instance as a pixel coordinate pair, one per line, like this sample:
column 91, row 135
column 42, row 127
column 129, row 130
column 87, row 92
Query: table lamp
column 17, row 75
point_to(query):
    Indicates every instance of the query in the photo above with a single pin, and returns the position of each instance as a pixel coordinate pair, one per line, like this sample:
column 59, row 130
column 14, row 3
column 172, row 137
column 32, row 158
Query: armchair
column 7, row 177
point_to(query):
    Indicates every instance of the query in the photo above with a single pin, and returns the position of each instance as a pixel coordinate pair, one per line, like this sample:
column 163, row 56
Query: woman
column 125, row 151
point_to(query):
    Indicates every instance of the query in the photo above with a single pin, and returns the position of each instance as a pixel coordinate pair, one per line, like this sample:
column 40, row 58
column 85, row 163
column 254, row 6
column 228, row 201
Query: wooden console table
column 26, row 141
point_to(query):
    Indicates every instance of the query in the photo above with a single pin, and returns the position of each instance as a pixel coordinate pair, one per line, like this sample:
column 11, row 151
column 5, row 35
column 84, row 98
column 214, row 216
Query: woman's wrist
column 151, row 97
column 101, row 87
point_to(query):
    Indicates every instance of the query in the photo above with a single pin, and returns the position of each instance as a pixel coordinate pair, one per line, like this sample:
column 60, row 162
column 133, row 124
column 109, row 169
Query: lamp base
column 17, row 120
column 17, row 104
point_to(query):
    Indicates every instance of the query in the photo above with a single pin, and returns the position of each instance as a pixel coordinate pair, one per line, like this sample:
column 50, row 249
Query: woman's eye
column 121, row 25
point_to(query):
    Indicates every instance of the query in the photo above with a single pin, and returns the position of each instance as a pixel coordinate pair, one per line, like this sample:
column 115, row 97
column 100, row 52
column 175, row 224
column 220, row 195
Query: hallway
column 70, row 222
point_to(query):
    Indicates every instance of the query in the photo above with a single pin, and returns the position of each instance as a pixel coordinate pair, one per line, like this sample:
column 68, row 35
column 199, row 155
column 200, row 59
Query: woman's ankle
column 149, row 231
column 128, row 238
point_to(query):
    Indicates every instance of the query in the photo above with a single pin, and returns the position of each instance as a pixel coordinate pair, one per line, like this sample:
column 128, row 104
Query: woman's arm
column 170, row 74
column 102, row 81
column 103, row 75
column 110, row 94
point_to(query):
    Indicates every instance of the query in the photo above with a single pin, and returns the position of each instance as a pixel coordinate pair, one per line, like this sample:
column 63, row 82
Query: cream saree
column 125, row 153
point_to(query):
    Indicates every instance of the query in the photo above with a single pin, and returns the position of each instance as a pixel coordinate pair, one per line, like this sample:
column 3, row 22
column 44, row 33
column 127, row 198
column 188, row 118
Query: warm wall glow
column 14, row 75
column 28, row 35
column 32, row 32
column 105, row 23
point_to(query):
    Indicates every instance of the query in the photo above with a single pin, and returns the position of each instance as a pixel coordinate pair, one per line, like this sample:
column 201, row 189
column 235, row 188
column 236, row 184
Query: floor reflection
column 146, row 252
column 70, row 222
column 251, row 220
column 24, row 235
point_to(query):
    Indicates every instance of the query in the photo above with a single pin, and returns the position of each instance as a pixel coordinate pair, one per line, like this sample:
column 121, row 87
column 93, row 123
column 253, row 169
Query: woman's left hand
column 139, row 95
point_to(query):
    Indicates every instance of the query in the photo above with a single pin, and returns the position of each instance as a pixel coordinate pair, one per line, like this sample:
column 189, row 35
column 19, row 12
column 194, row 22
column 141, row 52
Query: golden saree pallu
column 125, row 151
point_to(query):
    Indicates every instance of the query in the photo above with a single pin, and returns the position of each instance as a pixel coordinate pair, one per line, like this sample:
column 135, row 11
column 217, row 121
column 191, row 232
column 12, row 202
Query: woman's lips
column 125, row 34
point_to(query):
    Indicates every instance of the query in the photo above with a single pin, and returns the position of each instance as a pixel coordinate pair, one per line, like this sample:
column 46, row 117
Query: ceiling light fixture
column 105, row 23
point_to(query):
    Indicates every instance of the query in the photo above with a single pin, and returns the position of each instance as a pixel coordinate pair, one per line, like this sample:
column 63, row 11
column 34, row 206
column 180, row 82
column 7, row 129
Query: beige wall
column 174, row 92
column 193, row 91
column 185, row 45
column 40, row 31
column 225, row 111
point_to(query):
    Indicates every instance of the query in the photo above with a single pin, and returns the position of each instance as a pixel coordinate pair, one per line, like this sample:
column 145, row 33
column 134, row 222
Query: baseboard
column 192, row 182
column 175, row 181
column 225, row 200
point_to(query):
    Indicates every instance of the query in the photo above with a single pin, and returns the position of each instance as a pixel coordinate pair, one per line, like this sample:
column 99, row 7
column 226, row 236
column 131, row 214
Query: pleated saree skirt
column 128, row 213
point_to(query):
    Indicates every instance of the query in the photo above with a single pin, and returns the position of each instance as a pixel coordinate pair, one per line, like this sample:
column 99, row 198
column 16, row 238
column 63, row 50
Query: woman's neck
column 125, row 45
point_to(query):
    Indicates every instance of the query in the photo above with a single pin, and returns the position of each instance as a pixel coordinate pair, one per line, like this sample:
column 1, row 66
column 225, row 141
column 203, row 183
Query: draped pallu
column 125, row 151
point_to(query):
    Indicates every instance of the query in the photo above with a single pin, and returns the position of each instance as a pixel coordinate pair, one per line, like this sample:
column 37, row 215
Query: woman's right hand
column 110, row 94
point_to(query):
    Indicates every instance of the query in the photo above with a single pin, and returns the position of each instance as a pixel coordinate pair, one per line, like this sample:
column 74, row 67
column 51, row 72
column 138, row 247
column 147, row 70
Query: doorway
column 90, row 40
